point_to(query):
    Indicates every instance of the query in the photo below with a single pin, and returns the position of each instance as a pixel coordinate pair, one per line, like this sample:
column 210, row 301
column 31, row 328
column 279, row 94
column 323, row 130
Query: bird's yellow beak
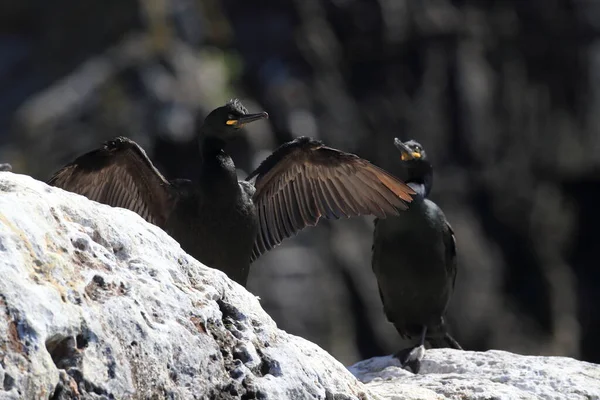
column 246, row 119
column 406, row 153
column 410, row 156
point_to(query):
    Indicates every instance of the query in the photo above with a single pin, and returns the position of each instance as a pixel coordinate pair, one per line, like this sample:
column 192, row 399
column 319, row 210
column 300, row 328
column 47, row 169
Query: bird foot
column 411, row 358
column 5, row 167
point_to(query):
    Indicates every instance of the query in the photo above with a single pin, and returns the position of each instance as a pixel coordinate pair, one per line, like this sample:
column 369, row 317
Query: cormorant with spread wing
column 226, row 224
column 414, row 260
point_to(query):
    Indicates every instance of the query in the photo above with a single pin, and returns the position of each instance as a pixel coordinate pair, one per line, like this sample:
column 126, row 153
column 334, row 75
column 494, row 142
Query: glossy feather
column 304, row 181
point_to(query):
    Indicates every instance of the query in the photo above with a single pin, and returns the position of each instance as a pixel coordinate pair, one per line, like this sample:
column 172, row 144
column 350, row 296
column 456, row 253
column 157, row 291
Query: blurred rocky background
column 504, row 95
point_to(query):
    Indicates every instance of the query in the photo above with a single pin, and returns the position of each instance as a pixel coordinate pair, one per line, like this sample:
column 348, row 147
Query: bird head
column 226, row 120
column 410, row 150
column 418, row 169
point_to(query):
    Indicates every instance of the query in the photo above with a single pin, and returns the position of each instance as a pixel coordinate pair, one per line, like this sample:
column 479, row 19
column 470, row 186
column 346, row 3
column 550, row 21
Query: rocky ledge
column 454, row 374
column 99, row 304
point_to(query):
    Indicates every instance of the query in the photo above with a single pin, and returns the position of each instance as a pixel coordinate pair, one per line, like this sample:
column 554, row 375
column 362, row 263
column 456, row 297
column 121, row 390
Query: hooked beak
column 246, row 119
column 407, row 153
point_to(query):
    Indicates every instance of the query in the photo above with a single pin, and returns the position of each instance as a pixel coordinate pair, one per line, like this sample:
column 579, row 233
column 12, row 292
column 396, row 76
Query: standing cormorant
column 414, row 260
column 226, row 224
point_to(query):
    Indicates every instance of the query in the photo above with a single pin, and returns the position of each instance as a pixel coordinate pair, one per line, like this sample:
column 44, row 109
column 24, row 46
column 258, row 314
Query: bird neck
column 210, row 146
column 421, row 185
column 418, row 175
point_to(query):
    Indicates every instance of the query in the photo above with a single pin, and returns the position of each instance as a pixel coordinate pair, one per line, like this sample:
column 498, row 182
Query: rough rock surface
column 95, row 302
column 453, row 374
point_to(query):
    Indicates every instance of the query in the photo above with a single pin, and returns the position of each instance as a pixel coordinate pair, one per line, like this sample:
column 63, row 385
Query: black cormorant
column 225, row 223
column 414, row 260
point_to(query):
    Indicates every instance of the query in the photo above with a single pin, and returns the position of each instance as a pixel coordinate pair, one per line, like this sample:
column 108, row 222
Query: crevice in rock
column 241, row 353
column 96, row 237
column 268, row 365
column 63, row 350
column 111, row 363
column 121, row 251
column 235, row 352
column 66, row 352
column 7, row 186
column 227, row 333
column 232, row 314
column 80, row 243
column 86, row 386
column 8, row 383
column 81, row 341
column 252, row 393
column 66, row 388
column 99, row 290
column 73, row 385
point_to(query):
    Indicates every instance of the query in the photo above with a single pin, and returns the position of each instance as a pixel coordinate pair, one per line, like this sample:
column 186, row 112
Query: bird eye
column 231, row 120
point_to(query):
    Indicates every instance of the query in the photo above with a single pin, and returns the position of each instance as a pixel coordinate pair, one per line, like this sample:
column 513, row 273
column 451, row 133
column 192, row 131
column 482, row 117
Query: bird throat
column 210, row 146
column 420, row 179
column 418, row 187
column 217, row 174
column 422, row 185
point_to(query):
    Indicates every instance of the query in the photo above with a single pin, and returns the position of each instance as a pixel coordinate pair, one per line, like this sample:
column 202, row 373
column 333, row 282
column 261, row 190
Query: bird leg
column 452, row 343
column 411, row 357
column 445, row 341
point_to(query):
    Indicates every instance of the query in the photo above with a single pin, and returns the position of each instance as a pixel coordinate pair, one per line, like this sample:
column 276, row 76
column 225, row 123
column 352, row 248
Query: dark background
column 504, row 95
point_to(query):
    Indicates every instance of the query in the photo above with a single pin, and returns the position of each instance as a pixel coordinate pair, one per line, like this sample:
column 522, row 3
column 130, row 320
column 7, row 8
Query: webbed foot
column 411, row 358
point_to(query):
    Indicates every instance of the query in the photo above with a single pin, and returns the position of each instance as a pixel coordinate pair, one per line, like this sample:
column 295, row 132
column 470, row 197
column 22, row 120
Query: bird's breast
column 219, row 232
column 411, row 243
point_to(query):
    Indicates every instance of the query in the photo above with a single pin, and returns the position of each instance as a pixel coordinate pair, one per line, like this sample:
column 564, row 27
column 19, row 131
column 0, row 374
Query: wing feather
column 284, row 209
column 304, row 181
column 119, row 174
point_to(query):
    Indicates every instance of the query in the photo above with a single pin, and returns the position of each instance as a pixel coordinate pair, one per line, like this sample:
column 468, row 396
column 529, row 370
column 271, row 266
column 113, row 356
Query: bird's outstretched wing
column 119, row 174
column 304, row 180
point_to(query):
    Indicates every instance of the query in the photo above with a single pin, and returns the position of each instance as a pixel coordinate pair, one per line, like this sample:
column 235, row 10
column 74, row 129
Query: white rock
column 98, row 303
column 454, row 374
column 95, row 301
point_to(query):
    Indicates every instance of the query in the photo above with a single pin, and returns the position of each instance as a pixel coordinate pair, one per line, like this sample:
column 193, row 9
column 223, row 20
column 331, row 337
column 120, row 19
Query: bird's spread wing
column 450, row 242
column 304, row 180
column 121, row 175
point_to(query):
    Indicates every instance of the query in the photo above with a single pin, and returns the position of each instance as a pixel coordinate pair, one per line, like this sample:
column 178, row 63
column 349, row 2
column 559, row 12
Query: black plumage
column 414, row 260
column 226, row 223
